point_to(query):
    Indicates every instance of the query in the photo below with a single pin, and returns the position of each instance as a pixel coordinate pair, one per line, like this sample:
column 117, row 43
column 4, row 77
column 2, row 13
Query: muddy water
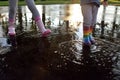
column 59, row 57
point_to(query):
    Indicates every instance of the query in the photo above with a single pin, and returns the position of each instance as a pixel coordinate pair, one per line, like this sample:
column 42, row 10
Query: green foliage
column 22, row 2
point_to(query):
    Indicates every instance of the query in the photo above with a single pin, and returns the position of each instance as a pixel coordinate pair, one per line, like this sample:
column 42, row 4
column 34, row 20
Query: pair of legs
column 89, row 12
column 36, row 16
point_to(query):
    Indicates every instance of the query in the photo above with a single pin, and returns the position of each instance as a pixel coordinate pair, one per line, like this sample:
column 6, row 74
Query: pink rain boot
column 46, row 33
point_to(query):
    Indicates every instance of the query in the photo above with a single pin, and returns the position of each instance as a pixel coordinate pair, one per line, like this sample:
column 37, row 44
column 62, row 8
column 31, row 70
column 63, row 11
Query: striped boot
column 86, row 39
column 91, row 38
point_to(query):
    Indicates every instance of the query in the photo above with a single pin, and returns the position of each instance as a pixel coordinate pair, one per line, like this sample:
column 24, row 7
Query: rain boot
column 86, row 31
column 91, row 38
column 11, row 28
column 45, row 32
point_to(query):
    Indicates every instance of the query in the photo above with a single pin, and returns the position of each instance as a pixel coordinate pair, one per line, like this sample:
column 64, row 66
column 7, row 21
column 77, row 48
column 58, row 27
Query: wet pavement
column 59, row 57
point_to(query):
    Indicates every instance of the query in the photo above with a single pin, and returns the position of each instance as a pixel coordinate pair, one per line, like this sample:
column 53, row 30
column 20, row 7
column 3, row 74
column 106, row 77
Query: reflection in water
column 3, row 42
column 55, row 16
column 1, row 31
column 62, row 16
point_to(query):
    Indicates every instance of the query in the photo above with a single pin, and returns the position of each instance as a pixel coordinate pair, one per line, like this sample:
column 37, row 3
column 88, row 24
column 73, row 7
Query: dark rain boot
column 91, row 38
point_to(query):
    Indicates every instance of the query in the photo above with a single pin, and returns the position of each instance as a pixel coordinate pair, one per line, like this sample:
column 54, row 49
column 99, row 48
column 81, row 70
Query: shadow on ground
column 59, row 57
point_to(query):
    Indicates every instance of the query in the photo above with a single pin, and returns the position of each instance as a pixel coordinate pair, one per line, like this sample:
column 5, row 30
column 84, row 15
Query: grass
column 114, row 2
column 5, row 3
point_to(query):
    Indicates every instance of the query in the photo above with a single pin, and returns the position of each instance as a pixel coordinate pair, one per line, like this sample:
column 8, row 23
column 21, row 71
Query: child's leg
column 36, row 15
column 12, row 13
column 91, row 38
column 94, row 13
column 87, row 20
column 94, row 17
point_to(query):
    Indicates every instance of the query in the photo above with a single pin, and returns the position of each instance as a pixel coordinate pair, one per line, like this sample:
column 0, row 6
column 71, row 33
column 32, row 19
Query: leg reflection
column 12, row 40
column 86, row 52
column 43, row 46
